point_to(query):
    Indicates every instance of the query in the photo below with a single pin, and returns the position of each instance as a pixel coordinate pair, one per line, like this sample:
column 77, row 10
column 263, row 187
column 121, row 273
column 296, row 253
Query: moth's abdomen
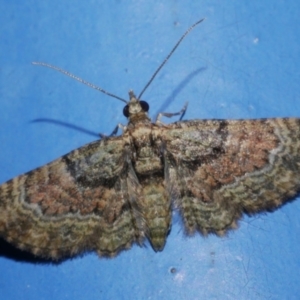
column 156, row 210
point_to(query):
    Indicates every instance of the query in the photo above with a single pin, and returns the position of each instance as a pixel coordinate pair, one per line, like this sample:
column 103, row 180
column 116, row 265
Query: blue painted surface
column 242, row 62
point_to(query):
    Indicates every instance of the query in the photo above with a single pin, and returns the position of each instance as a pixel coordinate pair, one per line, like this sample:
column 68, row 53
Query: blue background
column 242, row 62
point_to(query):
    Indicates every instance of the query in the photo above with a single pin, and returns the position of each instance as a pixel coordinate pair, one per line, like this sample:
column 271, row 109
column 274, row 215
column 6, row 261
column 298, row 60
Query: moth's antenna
column 169, row 55
column 78, row 79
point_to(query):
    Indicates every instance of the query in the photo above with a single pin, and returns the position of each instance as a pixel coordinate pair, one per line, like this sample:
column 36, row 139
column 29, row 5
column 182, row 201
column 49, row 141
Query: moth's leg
column 115, row 131
column 170, row 115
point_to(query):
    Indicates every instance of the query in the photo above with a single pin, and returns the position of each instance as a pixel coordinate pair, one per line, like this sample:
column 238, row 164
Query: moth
column 120, row 190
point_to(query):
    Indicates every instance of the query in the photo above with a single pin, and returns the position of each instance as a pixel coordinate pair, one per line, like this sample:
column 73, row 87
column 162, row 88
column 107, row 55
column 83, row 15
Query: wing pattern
column 78, row 202
column 118, row 191
column 218, row 169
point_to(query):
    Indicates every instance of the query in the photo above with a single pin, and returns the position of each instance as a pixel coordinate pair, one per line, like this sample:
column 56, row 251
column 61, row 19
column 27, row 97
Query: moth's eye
column 126, row 111
column 144, row 105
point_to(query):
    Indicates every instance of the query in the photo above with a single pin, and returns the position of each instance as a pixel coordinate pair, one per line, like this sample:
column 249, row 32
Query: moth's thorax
column 140, row 117
column 147, row 148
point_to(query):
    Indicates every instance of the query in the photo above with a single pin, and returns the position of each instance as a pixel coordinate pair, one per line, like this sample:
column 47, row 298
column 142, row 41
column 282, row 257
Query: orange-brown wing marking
column 216, row 170
column 78, row 202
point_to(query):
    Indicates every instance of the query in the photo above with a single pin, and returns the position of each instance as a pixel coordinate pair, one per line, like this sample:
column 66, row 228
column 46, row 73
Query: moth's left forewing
column 78, row 202
column 218, row 169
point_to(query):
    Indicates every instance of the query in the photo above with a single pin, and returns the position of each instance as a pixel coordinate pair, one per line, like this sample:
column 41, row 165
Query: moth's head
column 136, row 110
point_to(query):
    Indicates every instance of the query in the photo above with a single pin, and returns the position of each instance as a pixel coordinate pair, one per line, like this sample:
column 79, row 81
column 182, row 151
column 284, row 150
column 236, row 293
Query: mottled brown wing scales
column 53, row 212
column 110, row 194
column 279, row 180
column 199, row 211
column 240, row 166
